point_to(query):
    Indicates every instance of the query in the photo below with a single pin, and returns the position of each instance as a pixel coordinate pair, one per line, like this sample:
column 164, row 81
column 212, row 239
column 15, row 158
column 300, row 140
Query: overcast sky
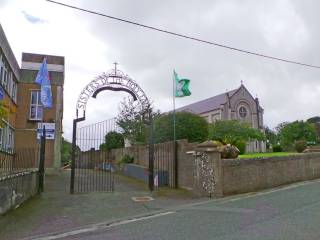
column 90, row 44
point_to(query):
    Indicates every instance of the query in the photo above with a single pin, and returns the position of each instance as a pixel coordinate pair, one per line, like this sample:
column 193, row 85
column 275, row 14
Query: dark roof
column 208, row 104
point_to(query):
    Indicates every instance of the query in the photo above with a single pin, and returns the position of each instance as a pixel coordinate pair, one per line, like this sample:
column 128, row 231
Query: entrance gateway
column 93, row 170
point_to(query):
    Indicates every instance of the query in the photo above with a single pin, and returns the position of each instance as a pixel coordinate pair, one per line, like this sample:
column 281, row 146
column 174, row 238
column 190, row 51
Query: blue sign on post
column 50, row 130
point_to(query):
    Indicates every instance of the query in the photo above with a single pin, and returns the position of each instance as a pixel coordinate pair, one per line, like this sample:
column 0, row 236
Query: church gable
column 245, row 108
column 242, row 97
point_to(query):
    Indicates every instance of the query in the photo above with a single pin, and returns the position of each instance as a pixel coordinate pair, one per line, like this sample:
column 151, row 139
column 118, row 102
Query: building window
column 14, row 91
column 4, row 78
column 36, row 108
column 9, row 83
column 1, row 70
column 243, row 112
column 7, row 138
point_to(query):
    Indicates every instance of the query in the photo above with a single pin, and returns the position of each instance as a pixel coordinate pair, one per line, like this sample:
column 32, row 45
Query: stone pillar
column 214, row 160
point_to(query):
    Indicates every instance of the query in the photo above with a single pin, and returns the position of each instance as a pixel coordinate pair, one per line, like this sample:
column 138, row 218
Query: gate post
column 73, row 152
column 42, row 160
column 151, row 155
column 73, row 156
column 213, row 156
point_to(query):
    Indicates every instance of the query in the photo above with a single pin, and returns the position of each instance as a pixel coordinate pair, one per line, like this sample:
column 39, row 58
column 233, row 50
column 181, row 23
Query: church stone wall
column 213, row 115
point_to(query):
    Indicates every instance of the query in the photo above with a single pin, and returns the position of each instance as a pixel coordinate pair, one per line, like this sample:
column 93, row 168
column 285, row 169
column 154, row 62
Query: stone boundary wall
column 17, row 188
column 249, row 175
column 139, row 152
column 234, row 175
column 186, row 164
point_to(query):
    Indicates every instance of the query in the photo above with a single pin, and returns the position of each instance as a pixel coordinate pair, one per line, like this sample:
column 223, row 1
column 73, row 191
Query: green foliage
column 295, row 131
column 241, row 145
column 219, row 144
column 277, row 148
column 233, row 131
column 127, row 159
column 266, row 155
column 4, row 112
column 132, row 120
column 188, row 126
column 317, row 127
column 271, row 136
column 112, row 140
column 300, row 146
column 280, row 126
column 316, row 122
column 66, row 149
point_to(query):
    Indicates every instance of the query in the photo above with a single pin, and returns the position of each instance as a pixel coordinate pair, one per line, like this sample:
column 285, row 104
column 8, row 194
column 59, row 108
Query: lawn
column 269, row 154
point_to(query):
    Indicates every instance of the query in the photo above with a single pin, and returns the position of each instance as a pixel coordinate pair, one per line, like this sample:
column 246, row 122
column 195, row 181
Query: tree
column 296, row 131
column 188, row 126
column 271, row 136
column 133, row 119
column 279, row 127
column 66, row 149
column 112, row 140
column 316, row 121
column 233, row 131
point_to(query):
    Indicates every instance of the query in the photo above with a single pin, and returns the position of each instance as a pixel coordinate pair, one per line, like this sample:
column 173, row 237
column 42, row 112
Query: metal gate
column 165, row 173
column 91, row 171
column 93, row 168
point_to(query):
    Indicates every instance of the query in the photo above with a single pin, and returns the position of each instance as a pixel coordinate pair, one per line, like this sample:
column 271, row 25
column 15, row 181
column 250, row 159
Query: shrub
column 296, row 131
column 277, row 148
column 300, row 146
column 127, row 159
column 219, row 144
column 232, row 131
column 241, row 145
column 188, row 126
column 112, row 140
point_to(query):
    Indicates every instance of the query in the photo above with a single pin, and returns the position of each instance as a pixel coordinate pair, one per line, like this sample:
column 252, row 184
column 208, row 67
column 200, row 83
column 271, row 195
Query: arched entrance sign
column 114, row 80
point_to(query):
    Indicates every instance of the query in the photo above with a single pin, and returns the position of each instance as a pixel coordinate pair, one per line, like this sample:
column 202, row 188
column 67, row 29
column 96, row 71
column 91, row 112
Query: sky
column 91, row 44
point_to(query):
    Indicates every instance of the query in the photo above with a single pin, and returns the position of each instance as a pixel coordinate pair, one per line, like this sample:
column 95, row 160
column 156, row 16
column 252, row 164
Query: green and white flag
column 181, row 86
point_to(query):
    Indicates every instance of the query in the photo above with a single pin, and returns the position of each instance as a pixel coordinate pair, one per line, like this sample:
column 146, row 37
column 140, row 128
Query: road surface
column 291, row 212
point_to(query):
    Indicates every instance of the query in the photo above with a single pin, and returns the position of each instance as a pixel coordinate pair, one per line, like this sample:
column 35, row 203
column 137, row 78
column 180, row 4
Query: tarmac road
column 292, row 212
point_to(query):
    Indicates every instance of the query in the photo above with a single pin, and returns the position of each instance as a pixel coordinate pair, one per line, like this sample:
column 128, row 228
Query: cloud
column 274, row 27
column 90, row 44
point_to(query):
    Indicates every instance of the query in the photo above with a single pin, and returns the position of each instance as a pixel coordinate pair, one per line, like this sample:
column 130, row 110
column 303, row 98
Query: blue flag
column 43, row 80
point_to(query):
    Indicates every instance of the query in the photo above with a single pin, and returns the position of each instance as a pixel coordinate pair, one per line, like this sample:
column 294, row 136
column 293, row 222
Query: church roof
column 208, row 104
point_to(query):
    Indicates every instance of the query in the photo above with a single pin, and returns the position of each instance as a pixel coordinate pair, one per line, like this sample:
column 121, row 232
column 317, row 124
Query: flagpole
column 175, row 158
column 174, row 108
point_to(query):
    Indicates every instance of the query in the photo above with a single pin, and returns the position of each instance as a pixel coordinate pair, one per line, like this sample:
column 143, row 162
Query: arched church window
column 243, row 112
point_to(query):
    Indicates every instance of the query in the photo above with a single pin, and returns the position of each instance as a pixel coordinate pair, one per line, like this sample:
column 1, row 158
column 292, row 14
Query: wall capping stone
column 245, row 161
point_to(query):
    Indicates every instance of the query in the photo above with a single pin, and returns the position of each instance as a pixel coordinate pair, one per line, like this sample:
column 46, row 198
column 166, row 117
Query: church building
column 237, row 104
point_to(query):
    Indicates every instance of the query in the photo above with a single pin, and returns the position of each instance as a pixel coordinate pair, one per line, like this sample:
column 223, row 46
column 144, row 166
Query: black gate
column 90, row 170
column 165, row 165
column 93, row 167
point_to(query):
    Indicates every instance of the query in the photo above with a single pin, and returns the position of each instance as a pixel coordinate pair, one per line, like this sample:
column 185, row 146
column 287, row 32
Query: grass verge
column 263, row 155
